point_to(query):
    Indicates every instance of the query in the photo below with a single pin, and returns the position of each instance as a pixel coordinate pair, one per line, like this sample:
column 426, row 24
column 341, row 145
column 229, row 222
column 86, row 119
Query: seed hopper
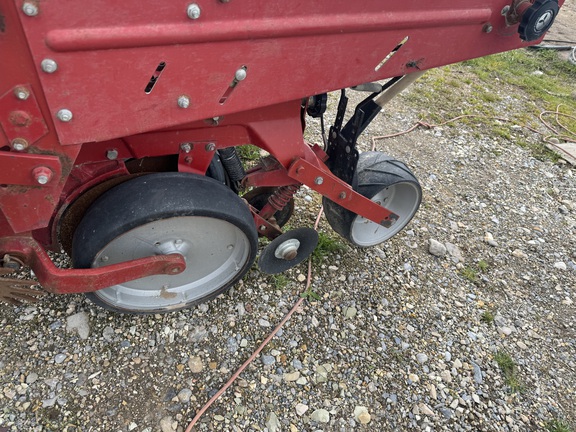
column 121, row 126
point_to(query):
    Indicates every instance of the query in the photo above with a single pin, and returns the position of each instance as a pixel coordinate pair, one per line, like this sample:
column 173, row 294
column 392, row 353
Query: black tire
column 192, row 214
column 378, row 177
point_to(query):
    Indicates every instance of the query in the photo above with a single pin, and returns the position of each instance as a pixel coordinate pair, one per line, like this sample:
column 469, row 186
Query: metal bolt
column 183, row 101
column 318, row 180
column 30, row 9
column 42, row 175
column 49, row 65
column 19, row 144
column 64, row 115
column 240, row 74
column 193, row 11
column 188, row 159
column 21, row 93
column 112, row 154
column 487, row 28
column 210, row 147
column 505, row 10
column 186, row 147
column 342, row 195
column 103, row 258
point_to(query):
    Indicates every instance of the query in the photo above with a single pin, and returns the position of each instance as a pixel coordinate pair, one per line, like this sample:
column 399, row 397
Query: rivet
column 64, row 115
column 21, row 93
column 19, row 144
column 183, row 101
column 318, row 180
column 193, row 11
column 240, row 74
column 210, row 147
column 30, row 9
column 42, row 175
column 487, row 28
column 49, row 65
column 112, row 154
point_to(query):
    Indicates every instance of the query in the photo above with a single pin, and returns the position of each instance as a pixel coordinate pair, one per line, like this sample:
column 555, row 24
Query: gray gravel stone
column 79, row 323
column 320, row 416
column 436, row 248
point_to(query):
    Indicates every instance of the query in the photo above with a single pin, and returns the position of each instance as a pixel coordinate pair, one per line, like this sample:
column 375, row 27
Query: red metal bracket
column 327, row 184
column 29, row 169
column 72, row 281
column 20, row 117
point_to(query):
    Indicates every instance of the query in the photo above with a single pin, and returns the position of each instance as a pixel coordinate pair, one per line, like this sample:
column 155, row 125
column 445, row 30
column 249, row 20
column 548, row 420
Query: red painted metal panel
column 106, row 54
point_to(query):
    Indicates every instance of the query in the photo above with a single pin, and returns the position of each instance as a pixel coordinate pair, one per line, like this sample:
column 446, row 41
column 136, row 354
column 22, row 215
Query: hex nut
column 49, row 65
column 183, row 101
column 19, row 144
column 112, row 154
column 30, row 9
column 64, row 115
column 42, row 175
column 21, row 93
column 193, row 11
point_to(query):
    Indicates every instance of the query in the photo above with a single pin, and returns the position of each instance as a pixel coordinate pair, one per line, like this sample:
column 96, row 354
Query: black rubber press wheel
column 538, row 19
column 386, row 181
column 167, row 213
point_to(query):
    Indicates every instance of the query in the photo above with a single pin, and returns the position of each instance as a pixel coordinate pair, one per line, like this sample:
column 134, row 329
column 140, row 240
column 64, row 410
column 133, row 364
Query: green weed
column 558, row 426
column 509, row 370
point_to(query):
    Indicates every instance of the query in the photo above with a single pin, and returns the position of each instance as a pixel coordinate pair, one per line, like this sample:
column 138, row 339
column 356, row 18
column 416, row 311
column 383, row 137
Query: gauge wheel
column 166, row 213
column 258, row 198
column 385, row 181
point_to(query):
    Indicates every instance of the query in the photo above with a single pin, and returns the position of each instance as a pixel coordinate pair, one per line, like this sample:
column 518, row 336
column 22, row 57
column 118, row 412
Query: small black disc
column 288, row 250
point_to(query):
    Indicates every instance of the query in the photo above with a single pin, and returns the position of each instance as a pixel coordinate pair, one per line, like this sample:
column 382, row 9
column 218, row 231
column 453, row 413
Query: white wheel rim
column 402, row 198
column 215, row 252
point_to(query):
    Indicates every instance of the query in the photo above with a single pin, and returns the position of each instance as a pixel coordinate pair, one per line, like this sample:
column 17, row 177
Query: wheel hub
column 287, row 250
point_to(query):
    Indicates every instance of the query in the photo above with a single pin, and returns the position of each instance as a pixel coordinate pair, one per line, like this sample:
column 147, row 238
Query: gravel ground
column 405, row 336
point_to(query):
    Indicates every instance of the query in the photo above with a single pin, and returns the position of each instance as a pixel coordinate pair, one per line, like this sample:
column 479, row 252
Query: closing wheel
column 288, row 250
column 161, row 214
column 385, row 181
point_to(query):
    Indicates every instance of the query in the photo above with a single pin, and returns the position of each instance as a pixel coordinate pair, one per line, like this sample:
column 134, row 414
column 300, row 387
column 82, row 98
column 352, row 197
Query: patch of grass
column 509, row 370
column 470, row 274
column 279, row 281
column 557, row 425
column 483, row 265
column 487, row 317
column 248, row 152
column 327, row 246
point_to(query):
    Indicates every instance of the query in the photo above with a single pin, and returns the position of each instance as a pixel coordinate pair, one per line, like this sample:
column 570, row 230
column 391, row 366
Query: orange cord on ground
column 262, row 345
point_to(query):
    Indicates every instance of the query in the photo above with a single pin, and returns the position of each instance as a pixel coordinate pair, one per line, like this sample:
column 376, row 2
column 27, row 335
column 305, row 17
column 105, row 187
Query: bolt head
column 487, row 28
column 240, row 74
column 112, row 154
column 19, row 144
column 193, row 11
column 21, row 93
column 505, row 10
column 183, row 102
column 186, row 147
column 318, row 180
column 49, row 65
column 210, row 147
column 64, row 115
column 30, row 9
column 42, row 175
